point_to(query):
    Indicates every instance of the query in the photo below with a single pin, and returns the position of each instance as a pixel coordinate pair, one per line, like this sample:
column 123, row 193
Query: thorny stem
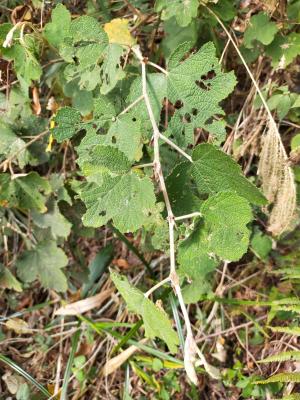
column 190, row 347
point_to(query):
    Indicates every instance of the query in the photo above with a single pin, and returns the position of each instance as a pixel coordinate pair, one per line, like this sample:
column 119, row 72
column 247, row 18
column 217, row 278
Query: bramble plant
column 137, row 163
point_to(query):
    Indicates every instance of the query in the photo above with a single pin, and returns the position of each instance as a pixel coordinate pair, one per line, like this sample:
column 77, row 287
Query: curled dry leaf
column 82, row 306
column 37, row 109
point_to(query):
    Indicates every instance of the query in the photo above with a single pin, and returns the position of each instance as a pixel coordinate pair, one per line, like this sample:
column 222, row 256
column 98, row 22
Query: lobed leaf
column 44, row 262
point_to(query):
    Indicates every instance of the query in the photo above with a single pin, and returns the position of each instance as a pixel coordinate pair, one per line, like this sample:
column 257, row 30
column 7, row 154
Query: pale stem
column 143, row 165
column 131, row 105
column 157, row 286
column 190, row 349
column 6, row 162
column 187, row 216
column 158, row 67
column 172, row 144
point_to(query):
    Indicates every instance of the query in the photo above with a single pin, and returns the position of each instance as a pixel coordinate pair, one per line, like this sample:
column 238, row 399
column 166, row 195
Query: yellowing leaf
column 17, row 325
column 118, row 32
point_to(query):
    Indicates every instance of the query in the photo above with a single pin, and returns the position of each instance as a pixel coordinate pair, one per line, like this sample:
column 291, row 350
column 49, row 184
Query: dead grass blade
column 114, row 363
column 82, row 306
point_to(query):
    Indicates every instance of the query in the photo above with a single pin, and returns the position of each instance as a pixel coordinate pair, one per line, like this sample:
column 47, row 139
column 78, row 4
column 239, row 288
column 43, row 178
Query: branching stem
column 157, row 286
column 131, row 105
column 6, row 162
column 187, row 216
column 172, row 144
column 164, row 71
column 190, row 347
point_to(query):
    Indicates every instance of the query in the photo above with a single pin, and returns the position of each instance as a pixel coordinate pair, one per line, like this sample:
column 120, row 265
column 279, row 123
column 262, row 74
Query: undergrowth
column 148, row 199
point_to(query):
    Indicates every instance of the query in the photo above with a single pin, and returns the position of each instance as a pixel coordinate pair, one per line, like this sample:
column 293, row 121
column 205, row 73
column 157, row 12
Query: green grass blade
column 177, row 320
column 25, row 375
column 64, row 389
column 147, row 349
column 128, row 336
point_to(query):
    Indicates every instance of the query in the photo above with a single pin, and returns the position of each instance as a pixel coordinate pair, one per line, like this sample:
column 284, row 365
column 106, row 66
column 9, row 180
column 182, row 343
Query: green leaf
column 44, row 262
column 214, row 171
column 125, row 133
column 111, row 70
column 196, row 264
column 7, row 280
column 56, row 30
column 128, row 200
column 290, row 330
column 184, row 11
column 104, row 159
column 53, row 219
column 156, row 321
column 295, row 142
column 261, row 244
column 24, row 192
column 198, row 84
column 174, row 35
column 66, row 121
column 261, row 29
column 25, row 57
column 225, row 218
column 178, row 184
column 284, row 49
column 294, row 396
column 157, row 91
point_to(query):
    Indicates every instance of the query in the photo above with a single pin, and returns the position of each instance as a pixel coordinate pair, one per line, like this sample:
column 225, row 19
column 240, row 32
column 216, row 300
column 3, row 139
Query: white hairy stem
column 190, row 347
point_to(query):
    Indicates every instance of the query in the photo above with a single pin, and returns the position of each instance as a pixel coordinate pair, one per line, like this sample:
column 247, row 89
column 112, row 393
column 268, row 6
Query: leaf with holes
column 156, row 321
column 196, row 86
column 196, row 264
column 128, row 200
column 126, row 134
